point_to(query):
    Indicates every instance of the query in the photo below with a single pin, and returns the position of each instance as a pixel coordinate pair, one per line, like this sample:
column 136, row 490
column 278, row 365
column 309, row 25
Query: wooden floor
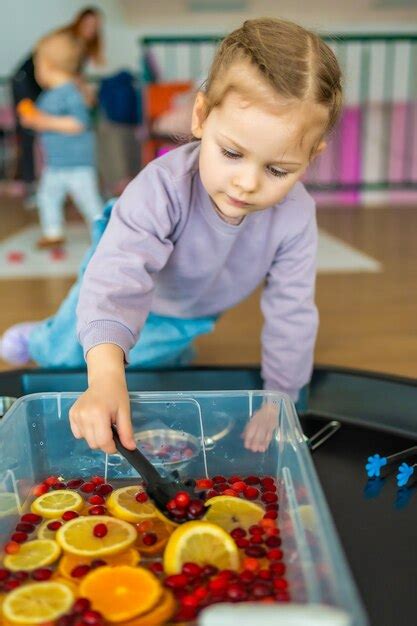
column 368, row 320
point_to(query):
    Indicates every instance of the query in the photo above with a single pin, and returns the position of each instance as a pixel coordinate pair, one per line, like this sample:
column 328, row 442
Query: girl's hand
column 259, row 431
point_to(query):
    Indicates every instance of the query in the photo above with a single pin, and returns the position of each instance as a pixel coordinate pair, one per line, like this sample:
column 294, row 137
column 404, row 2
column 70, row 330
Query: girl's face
column 251, row 156
column 89, row 27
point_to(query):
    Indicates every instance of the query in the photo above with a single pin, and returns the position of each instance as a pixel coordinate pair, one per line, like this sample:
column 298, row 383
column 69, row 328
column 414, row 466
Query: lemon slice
column 203, row 543
column 54, row 503
column 122, row 504
column 44, row 532
column 33, row 554
column 230, row 512
column 77, row 537
column 37, row 603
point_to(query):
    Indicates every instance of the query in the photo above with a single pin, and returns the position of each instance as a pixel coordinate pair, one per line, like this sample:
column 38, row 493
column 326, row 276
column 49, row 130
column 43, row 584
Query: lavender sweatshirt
column 167, row 250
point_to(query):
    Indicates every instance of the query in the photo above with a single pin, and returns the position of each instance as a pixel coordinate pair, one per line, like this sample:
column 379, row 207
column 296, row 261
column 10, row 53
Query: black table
column 377, row 523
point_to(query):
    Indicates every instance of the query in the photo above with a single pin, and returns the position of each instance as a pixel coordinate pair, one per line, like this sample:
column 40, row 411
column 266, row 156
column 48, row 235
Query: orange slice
column 69, row 561
column 121, row 593
column 122, row 504
column 54, row 503
column 157, row 616
column 203, row 543
column 160, row 529
column 37, row 603
column 77, row 537
column 230, row 512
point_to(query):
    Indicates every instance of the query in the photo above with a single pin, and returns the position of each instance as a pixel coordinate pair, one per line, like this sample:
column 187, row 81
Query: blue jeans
column 163, row 342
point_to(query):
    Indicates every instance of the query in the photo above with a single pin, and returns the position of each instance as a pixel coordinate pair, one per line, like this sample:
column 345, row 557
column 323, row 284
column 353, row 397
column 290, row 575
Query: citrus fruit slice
column 158, row 530
column 69, row 561
column 33, row 554
column 157, row 616
column 54, row 503
column 122, row 504
column 203, row 543
column 77, row 536
column 37, row 603
column 8, row 504
column 121, row 592
column 230, row 512
column 44, row 532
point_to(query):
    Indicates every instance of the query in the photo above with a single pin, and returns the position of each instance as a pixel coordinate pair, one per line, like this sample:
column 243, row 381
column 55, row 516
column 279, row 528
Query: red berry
column 218, row 479
column 87, row 487
column 260, row 590
column 238, row 532
column 204, row 483
column 32, row 518
column 100, row 530
column 104, row 490
column 268, row 482
column 176, row 581
column 54, row 525
column 98, row 480
column 246, row 577
column 25, row 527
column 96, row 499
column 201, row 592
column 264, row 574
column 21, row 576
column 234, row 479
column 92, row 617
column 57, row 486
column 275, row 554
column 277, row 568
column 39, row 490
column 218, row 583
column 255, row 529
column 239, row 487
column 269, row 497
column 256, row 539
column 271, row 515
column 236, row 592
column 178, row 514
column 97, row 563
column 185, row 614
column 75, row 483
column 43, row 573
column 255, row 551
column 65, row 620
column 141, row 497
column 191, row 569
column 252, row 480
column 282, row 596
column 182, row 499
column 81, row 605
column 97, row 510
column 4, row 574
column 251, row 493
column 171, row 504
column 11, row 547
column 242, row 542
column 19, row 537
column 196, row 508
column 229, row 492
column 149, row 539
column 156, row 567
column 280, row 584
column 273, row 542
column 9, row 585
column 80, row 570
column 190, row 600
column 209, row 570
column 211, row 494
column 68, row 515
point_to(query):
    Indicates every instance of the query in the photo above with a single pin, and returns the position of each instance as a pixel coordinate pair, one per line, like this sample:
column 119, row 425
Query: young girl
column 199, row 228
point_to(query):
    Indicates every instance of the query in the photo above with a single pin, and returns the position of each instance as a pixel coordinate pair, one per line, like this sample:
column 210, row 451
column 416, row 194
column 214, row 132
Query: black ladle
column 161, row 489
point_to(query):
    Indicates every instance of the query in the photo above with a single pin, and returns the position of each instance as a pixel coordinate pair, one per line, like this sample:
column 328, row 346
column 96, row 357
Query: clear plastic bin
column 36, row 441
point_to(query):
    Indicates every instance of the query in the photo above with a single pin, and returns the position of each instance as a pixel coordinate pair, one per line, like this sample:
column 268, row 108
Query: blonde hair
column 61, row 50
column 295, row 62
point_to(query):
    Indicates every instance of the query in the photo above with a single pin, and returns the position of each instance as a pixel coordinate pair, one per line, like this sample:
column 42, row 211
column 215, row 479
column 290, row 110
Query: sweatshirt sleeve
column 117, row 287
column 290, row 315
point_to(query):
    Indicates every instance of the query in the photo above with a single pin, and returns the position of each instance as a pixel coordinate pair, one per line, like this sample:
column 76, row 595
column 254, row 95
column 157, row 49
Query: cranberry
column 185, row 614
column 268, row 482
column 104, row 490
column 238, row 532
column 4, row 574
column 273, row 506
column 269, row 497
column 260, row 590
column 264, row 574
column 252, row 480
column 239, row 487
column 20, row 576
column 65, row 620
column 171, row 504
column 236, row 592
column 40, row 490
column 209, row 570
column 277, row 568
column 141, row 497
column 149, row 539
column 176, row 581
column 25, row 527
column 156, row 568
column 98, row 480
column 54, row 525
column 182, row 499
column 58, row 486
column 242, row 542
column 96, row 499
column 178, row 514
column 246, row 577
column 11, row 547
column 19, row 537
column 75, row 483
column 80, row 570
column 256, row 539
column 255, row 529
column 221, row 487
column 196, row 508
column 81, row 605
column 88, row 487
column 51, row 480
column 271, row 515
column 211, row 494
column 32, row 518
column 204, row 483
column 97, row 510
column 255, row 551
column 275, row 554
column 190, row 600
column 41, row 574
column 251, row 493
column 273, row 542
column 191, row 569
column 11, row 584
column 100, row 530
column 218, row 583
column 92, row 617
column 201, row 592
column 280, row 584
column 97, row 563
column 229, row 492
column 68, row 515
column 218, row 479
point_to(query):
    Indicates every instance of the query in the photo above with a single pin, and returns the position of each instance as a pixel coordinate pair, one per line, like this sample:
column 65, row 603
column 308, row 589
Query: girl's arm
column 43, row 122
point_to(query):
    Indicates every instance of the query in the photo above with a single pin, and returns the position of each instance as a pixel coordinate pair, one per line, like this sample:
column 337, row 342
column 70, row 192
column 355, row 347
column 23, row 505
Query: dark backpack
column 119, row 99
